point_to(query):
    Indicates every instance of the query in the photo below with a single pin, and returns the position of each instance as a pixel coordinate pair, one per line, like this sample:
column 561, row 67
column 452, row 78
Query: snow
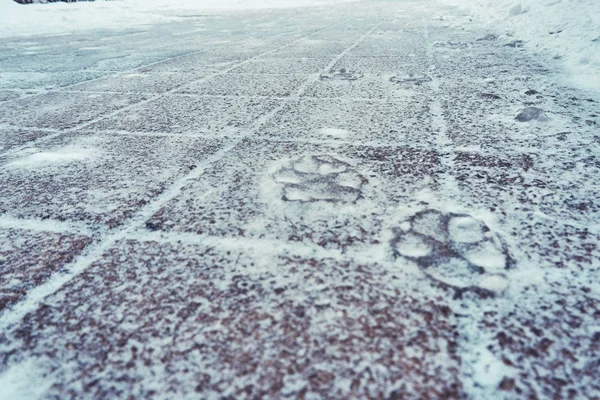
column 16, row 383
column 61, row 156
column 568, row 30
column 66, row 18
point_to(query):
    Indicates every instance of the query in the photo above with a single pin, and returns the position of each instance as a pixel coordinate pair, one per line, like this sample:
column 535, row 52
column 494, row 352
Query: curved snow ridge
column 65, row 155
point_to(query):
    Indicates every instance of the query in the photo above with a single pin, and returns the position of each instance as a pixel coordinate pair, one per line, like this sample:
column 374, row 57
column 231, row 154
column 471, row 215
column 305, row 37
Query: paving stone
column 385, row 65
column 207, row 322
column 44, row 80
column 191, row 115
column 10, row 138
column 28, row 259
column 77, row 61
column 348, row 84
column 97, row 179
column 311, row 48
column 63, row 110
column 558, row 340
column 247, row 85
column 136, row 82
column 331, row 196
column 399, row 123
column 7, row 95
column 271, row 65
column 404, row 44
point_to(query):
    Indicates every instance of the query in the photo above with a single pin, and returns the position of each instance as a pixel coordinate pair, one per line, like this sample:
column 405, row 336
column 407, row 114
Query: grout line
column 227, row 96
column 36, row 296
column 443, row 144
column 274, row 246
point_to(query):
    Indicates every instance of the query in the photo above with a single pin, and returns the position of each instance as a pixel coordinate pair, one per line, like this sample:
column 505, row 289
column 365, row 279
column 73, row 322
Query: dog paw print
column 454, row 249
column 341, row 75
column 410, row 79
column 320, row 178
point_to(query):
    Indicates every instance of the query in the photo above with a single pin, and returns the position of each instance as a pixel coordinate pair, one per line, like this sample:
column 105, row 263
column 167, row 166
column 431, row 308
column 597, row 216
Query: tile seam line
column 81, row 263
column 160, row 95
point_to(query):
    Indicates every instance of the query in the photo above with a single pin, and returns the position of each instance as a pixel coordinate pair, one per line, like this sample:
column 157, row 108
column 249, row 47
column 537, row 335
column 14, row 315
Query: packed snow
column 567, row 30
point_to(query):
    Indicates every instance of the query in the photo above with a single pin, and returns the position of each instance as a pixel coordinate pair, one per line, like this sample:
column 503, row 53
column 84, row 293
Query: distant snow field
column 61, row 18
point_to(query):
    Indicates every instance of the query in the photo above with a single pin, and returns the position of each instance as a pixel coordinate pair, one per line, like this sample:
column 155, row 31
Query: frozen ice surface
column 332, row 202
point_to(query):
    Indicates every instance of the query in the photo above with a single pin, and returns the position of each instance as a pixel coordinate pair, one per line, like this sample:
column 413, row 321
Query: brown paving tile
column 207, row 322
column 28, row 259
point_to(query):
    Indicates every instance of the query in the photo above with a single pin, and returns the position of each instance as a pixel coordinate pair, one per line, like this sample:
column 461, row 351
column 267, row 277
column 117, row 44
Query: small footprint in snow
column 455, row 249
column 320, row 178
column 341, row 75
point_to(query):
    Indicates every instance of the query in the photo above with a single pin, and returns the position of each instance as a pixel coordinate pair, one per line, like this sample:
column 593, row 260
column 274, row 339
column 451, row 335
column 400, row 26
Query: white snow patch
column 23, row 381
column 494, row 283
column 488, row 370
column 334, row 132
column 63, row 156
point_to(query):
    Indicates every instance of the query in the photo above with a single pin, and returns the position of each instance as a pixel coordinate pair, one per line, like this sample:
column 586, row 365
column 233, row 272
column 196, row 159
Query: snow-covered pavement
column 346, row 201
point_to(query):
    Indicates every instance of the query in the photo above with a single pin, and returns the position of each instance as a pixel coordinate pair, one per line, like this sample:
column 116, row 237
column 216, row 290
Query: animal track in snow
column 455, row 249
column 410, row 78
column 320, row 178
column 532, row 114
column 341, row 75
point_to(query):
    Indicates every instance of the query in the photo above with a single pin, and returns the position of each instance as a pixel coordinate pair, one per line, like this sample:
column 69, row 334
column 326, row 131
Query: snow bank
column 568, row 30
column 61, row 18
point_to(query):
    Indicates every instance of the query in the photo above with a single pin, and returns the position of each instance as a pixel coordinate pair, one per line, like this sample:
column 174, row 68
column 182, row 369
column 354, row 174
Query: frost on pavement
column 208, row 322
column 333, row 203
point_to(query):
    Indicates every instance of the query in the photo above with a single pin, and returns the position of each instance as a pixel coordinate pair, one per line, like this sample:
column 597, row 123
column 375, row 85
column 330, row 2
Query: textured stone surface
column 331, row 203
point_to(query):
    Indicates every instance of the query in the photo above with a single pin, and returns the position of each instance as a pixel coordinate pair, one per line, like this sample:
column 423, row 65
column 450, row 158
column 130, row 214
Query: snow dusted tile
column 311, row 48
column 247, row 85
column 44, row 62
column 544, row 345
column 402, row 122
column 44, row 80
column 335, row 197
column 484, row 114
column 124, row 62
column 136, row 82
column 280, row 65
column 409, row 44
column 343, row 83
column 196, row 64
column 13, row 138
column 181, row 320
column 28, row 259
column 505, row 181
column 385, row 65
column 218, row 56
column 530, row 182
column 63, row 110
column 8, row 95
column 97, row 179
column 191, row 115
column 73, row 60
column 564, row 250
